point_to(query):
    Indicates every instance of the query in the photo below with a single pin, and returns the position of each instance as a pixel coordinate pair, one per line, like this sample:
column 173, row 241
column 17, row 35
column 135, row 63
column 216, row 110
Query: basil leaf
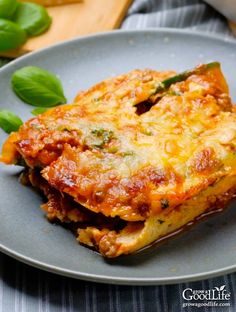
column 9, row 122
column 11, row 35
column 39, row 110
column 7, row 8
column 38, row 87
column 33, row 18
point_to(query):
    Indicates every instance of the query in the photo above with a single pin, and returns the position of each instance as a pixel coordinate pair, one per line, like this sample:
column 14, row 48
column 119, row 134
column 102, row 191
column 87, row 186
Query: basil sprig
column 11, row 35
column 9, row 122
column 38, row 87
column 7, row 8
column 33, row 18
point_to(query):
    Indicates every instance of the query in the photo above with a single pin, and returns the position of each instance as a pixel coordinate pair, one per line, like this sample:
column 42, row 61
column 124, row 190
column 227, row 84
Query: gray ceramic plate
column 207, row 250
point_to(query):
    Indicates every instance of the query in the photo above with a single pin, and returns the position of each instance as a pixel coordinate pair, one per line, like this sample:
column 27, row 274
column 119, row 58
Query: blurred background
column 46, row 22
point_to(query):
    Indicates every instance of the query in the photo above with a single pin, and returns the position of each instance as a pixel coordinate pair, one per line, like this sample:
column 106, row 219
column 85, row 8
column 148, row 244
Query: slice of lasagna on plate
column 135, row 158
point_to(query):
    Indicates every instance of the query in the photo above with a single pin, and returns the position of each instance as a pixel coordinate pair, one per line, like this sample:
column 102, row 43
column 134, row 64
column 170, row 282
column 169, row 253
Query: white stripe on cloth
column 117, row 296
column 17, row 293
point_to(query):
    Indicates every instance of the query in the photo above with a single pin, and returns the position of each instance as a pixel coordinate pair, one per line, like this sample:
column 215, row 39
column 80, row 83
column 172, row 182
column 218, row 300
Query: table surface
column 23, row 288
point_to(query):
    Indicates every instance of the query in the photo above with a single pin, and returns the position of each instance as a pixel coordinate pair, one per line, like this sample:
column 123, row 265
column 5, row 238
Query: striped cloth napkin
column 193, row 15
column 25, row 289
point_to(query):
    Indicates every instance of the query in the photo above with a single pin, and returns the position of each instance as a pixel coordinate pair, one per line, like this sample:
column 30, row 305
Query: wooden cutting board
column 73, row 20
column 232, row 25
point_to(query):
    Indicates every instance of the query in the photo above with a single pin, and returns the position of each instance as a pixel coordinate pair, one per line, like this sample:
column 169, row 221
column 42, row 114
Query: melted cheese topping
column 111, row 159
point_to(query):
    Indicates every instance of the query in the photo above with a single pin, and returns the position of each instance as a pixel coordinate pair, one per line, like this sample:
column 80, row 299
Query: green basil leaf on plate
column 38, row 87
column 11, row 35
column 9, row 122
column 7, row 8
column 33, row 18
column 39, row 110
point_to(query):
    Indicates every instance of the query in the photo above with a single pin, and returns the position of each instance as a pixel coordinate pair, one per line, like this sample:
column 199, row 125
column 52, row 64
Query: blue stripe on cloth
column 25, row 289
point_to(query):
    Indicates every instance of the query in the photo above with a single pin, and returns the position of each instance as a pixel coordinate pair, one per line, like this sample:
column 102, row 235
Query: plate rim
column 103, row 278
column 214, row 36
column 140, row 281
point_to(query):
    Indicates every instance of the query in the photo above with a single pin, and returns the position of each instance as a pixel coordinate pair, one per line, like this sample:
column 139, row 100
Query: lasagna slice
column 135, row 158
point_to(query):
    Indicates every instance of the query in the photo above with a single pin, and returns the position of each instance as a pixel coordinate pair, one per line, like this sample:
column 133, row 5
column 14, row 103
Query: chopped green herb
column 128, row 153
column 96, row 99
column 172, row 92
column 37, row 126
column 163, row 87
column 9, row 122
column 147, row 132
column 102, row 137
column 165, row 84
column 112, row 149
column 164, row 203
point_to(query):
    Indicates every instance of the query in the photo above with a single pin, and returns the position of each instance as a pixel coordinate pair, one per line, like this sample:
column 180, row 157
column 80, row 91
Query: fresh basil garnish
column 38, row 87
column 11, row 35
column 33, row 18
column 9, row 122
column 7, row 8
column 39, row 110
